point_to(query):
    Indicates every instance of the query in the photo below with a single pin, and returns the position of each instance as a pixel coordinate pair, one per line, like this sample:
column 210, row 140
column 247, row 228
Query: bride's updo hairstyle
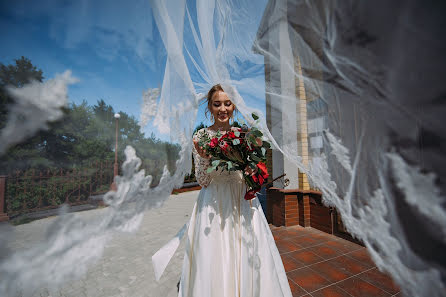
column 212, row 91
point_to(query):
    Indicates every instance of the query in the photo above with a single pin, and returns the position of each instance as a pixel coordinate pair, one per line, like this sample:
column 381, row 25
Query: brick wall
column 320, row 216
column 298, row 207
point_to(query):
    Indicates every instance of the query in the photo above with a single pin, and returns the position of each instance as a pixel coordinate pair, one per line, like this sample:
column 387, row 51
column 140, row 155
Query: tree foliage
column 16, row 75
column 85, row 134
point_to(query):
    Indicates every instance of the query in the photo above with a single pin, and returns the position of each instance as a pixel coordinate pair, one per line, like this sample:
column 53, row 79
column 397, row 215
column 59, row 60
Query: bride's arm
column 201, row 164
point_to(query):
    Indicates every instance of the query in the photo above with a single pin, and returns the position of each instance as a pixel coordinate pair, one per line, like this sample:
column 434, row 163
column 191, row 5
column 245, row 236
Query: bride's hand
column 201, row 151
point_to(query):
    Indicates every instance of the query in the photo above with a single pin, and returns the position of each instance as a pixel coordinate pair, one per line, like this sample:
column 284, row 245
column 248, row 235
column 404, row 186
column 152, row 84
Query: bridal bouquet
column 239, row 149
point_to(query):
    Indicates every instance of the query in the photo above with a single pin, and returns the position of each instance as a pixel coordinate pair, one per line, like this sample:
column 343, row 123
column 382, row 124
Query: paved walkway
column 125, row 269
column 317, row 264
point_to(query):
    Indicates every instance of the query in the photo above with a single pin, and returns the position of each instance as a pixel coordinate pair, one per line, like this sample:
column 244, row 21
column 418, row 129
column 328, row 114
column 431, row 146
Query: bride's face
column 221, row 108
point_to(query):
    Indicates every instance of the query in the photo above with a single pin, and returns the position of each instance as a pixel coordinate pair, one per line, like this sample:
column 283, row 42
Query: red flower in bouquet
column 231, row 135
column 261, row 180
column 263, row 170
column 251, row 194
column 241, row 149
column 214, row 142
column 255, row 178
column 258, row 179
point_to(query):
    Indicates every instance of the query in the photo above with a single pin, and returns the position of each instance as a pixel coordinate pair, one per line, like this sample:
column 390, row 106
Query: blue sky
column 114, row 49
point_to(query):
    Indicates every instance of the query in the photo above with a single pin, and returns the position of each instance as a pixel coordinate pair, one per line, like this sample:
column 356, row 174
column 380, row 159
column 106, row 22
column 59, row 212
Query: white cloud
column 35, row 105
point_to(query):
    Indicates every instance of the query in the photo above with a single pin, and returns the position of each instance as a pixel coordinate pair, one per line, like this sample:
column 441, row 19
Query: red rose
column 261, row 180
column 231, row 135
column 251, row 194
column 254, row 178
column 214, row 142
column 263, row 170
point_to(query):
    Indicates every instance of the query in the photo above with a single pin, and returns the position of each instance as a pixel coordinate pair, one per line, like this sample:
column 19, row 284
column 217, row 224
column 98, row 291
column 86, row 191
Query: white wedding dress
column 230, row 251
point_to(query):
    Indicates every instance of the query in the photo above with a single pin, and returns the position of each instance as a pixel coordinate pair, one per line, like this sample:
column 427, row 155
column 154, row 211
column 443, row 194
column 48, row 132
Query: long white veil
column 362, row 80
column 344, row 73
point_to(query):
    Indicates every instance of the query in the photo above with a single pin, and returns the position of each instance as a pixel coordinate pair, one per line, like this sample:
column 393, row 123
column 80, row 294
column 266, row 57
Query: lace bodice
column 202, row 164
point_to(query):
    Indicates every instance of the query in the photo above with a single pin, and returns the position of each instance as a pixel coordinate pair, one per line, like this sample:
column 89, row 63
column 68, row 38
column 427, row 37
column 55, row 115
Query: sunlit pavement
column 125, row 269
column 317, row 264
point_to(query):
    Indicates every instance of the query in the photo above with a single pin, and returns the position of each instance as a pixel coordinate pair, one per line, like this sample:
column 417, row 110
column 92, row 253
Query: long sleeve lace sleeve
column 201, row 164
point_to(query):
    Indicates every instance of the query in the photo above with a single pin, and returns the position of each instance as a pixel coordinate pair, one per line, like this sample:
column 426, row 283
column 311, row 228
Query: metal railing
column 33, row 190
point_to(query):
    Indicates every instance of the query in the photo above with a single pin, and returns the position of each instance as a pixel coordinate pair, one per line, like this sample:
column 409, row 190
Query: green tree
column 86, row 134
column 17, row 75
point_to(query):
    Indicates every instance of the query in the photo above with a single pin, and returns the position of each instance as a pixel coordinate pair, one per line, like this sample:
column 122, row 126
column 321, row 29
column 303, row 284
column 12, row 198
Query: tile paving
column 322, row 265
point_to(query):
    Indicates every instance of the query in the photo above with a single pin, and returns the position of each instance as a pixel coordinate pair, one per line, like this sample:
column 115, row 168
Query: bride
column 230, row 250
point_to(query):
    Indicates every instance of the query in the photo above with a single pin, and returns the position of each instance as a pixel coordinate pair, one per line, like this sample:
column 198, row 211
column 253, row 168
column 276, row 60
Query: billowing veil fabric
column 230, row 250
column 350, row 94
column 353, row 108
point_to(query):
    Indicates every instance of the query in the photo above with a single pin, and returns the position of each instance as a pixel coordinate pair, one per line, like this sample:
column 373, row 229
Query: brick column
column 291, row 210
column 3, row 215
column 302, row 135
column 306, row 211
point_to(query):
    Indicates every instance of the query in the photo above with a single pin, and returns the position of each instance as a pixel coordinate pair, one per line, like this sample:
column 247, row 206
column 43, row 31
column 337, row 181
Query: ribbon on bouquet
column 271, row 182
column 163, row 256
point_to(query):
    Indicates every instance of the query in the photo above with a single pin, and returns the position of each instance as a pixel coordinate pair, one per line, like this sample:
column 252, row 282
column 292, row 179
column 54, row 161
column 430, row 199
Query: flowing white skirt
column 230, row 251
